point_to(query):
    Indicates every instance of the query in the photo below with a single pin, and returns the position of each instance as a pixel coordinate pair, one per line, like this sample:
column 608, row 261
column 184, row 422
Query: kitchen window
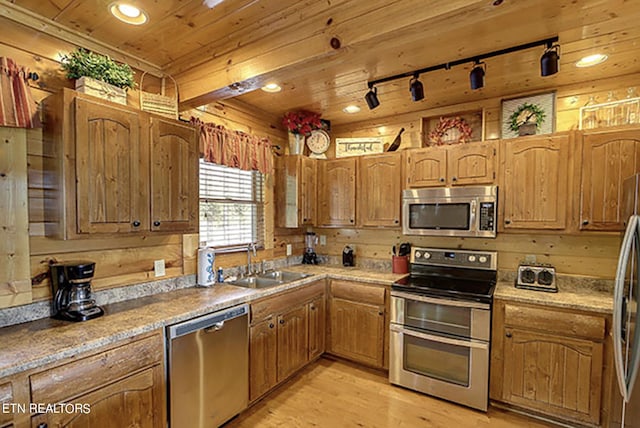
column 231, row 206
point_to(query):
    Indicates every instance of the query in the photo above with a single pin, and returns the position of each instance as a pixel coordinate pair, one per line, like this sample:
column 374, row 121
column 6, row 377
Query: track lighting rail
column 476, row 58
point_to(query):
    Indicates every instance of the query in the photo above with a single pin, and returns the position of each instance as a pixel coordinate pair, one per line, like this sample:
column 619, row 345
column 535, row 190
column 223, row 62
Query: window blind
column 231, row 206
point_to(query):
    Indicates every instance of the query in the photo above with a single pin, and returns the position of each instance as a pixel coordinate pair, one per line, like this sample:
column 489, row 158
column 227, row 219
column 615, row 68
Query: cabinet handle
column 507, row 222
column 313, row 308
column 351, row 220
column 441, row 179
column 396, row 221
column 156, row 223
column 380, row 312
column 454, row 178
column 281, row 321
column 304, row 219
column 508, row 334
column 271, row 325
column 585, row 222
column 42, row 425
column 136, row 223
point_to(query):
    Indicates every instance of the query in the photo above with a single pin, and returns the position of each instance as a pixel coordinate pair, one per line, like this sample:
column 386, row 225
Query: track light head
column 416, row 89
column 476, row 76
column 550, row 59
column 372, row 97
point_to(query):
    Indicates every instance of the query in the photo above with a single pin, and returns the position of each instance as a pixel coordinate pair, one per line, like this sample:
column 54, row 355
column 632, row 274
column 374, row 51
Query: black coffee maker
column 310, row 257
column 71, row 286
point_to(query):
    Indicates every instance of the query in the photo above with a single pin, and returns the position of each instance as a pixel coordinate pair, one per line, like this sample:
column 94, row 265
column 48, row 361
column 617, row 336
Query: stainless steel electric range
column 441, row 325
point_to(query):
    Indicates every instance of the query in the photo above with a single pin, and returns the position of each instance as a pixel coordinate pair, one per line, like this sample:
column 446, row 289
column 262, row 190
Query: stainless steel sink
column 284, row 276
column 255, row 282
column 269, row 279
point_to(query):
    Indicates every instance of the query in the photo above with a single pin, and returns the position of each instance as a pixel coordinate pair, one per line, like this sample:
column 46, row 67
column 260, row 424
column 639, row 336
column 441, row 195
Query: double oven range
column 441, row 325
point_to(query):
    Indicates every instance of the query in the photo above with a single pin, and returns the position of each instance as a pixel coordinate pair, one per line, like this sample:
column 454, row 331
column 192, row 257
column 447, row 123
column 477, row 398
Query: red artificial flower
column 301, row 122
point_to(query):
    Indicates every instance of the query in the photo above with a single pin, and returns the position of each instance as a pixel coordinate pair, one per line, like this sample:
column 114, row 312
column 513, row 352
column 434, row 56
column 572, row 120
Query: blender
column 310, row 241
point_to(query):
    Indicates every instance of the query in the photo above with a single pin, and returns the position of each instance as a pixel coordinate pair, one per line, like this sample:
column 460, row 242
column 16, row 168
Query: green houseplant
column 84, row 63
column 526, row 119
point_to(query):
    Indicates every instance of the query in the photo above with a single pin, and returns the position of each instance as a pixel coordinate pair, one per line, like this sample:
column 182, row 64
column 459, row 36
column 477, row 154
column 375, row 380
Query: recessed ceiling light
column 591, row 60
column 128, row 13
column 271, row 87
column 351, row 109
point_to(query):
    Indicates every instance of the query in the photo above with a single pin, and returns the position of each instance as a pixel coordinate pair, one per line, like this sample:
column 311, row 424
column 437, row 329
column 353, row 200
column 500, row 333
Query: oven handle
column 436, row 301
column 441, row 339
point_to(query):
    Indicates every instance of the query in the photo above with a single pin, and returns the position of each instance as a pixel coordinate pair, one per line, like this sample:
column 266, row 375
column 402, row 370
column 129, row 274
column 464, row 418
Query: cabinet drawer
column 554, row 321
column 6, row 396
column 358, row 292
column 282, row 302
column 75, row 378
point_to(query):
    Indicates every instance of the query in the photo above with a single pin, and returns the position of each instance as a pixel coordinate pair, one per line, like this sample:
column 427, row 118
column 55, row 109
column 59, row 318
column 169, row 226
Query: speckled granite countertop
column 585, row 299
column 33, row 344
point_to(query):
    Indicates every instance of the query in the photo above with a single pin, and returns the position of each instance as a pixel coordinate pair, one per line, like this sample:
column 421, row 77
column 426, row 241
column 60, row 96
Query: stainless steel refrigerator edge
column 625, row 406
column 208, row 367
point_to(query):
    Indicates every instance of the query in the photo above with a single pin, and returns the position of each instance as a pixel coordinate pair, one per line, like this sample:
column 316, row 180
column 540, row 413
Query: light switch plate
column 289, row 249
column 158, row 267
column 323, row 239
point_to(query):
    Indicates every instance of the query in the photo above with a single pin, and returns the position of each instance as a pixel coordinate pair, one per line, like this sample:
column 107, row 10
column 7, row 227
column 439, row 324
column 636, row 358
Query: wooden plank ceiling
column 236, row 47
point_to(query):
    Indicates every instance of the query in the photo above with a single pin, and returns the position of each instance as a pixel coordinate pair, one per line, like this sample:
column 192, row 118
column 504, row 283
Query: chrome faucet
column 250, row 247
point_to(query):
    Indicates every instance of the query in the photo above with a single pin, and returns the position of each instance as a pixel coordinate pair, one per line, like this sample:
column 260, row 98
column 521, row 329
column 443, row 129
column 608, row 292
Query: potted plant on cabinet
column 98, row 75
column 527, row 119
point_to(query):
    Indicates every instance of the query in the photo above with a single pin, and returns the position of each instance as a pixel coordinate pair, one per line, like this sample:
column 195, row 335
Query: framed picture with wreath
column 456, row 128
column 531, row 115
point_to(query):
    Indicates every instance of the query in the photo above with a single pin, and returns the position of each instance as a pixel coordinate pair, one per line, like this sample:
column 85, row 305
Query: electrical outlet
column 158, row 267
column 530, row 258
column 289, row 249
column 323, row 239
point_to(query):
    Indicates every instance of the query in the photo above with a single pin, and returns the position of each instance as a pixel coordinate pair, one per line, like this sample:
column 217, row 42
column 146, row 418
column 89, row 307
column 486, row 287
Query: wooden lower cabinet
column 549, row 361
column 120, row 385
column 357, row 322
column 286, row 333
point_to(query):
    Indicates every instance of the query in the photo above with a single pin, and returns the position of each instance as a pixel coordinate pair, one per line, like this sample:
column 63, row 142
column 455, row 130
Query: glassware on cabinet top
column 632, row 107
column 613, row 112
column 589, row 114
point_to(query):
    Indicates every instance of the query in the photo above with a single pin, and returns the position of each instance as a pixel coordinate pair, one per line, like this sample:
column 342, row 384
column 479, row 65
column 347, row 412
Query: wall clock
column 318, row 142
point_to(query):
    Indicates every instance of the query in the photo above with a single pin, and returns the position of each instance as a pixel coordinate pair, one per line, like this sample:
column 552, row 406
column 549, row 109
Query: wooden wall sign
column 346, row 147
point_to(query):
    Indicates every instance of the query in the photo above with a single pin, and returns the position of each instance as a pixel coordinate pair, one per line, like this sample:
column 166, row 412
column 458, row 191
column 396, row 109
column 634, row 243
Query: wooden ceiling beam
column 309, row 42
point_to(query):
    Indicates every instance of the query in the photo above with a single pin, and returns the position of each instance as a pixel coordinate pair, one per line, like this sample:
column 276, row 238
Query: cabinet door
column 357, row 331
column 534, row 188
column 308, row 186
column 337, row 192
column 134, row 401
column 607, row 159
column 556, row 375
column 426, row 167
column 379, row 198
column 292, row 341
column 110, row 165
column 471, row 164
column 174, row 176
column 262, row 358
column 317, row 316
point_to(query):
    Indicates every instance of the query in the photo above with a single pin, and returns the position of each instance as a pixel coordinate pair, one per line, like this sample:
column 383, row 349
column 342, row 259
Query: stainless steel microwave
column 468, row 211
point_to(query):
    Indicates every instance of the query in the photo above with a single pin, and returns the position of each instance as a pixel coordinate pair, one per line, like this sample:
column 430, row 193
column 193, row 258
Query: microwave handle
column 472, row 215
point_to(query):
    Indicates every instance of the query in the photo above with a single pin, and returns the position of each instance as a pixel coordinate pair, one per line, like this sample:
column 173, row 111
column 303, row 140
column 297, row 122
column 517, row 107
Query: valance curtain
column 17, row 107
column 236, row 149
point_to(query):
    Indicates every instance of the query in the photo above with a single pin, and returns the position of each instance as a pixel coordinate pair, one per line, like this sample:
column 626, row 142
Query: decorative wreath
column 447, row 123
column 534, row 111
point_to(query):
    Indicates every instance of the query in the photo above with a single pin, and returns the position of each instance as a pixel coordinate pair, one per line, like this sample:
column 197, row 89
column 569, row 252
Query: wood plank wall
column 588, row 254
column 126, row 260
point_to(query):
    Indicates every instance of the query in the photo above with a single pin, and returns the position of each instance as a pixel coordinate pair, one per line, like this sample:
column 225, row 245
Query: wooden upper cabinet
column 380, row 192
column 533, row 192
column 337, row 192
column 116, row 170
column 455, row 165
column 472, row 163
column 174, row 176
column 607, row 159
column 295, row 191
column 426, row 167
column 110, row 164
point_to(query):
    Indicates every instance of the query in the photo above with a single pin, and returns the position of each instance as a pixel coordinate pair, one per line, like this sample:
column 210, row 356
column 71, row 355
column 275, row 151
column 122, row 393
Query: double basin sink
column 269, row 279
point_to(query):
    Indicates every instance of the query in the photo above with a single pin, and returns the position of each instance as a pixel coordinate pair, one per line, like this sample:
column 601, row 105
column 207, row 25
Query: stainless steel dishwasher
column 208, row 364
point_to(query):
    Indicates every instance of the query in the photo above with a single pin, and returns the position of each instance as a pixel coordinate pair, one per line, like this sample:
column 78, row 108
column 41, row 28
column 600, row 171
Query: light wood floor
column 337, row 394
